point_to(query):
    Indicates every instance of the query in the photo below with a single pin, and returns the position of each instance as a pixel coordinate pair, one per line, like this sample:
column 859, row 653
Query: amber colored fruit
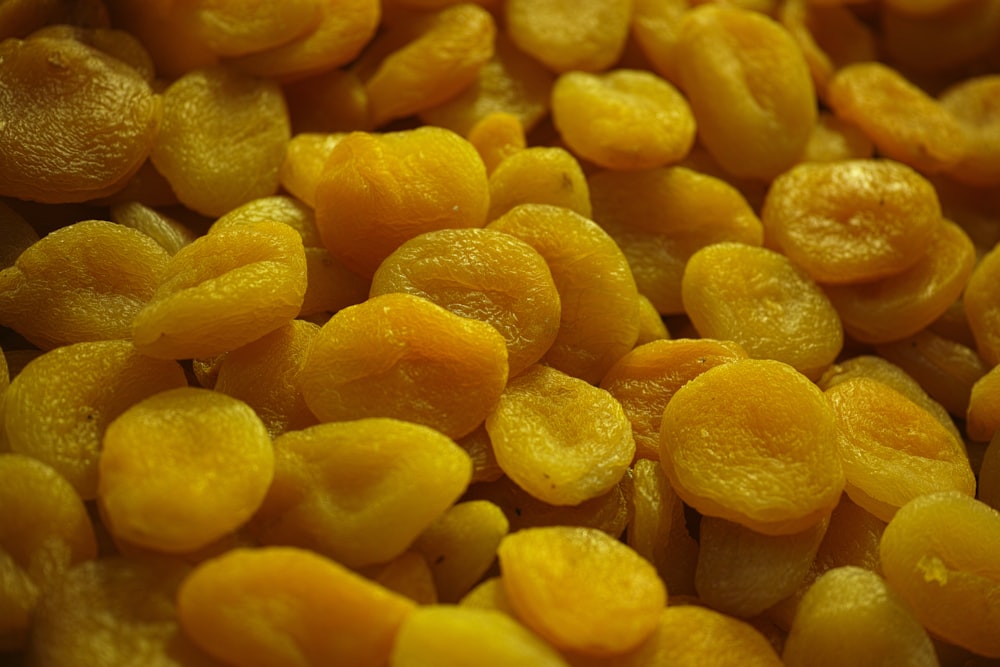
column 560, row 438
column 285, row 606
column 378, row 191
column 78, row 122
column 118, row 44
column 982, row 305
column 360, row 491
column 754, row 442
column 409, row 575
column 169, row 233
column 581, row 589
column 834, row 139
column 983, row 415
column 398, row 355
column 511, row 82
column 940, row 43
column 16, row 233
column 224, row 290
column 762, row 301
column 660, row 217
column 58, row 406
column 343, row 30
column 645, row 379
column 305, row 160
column 566, row 35
column 905, row 123
column 905, row 303
column 461, row 545
column 538, row 175
column 988, row 490
column 479, row 448
column 599, row 319
column 238, row 28
column 222, row 139
column 622, row 119
column 333, row 101
column 939, row 554
column 482, row 274
column 852, row 221
column 496, row 136
column 452, row 636
column 83, row 282
column 749, row 88
column 445, row 58
column 201, row 468
column 892, row 449
column 974, row 102
column 851, row 615
column 655, row 507
column 114, row 611
column 742, row 572
column 652, row 326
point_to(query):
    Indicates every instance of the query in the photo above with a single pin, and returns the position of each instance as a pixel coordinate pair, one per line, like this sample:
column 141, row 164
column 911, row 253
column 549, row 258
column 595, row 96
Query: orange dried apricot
column 975, row 103
column 482, row 274
column 660, row 217
column 656, row 530
column 622, row 119
column 651, row 324
column 762, row 301
column 852, row 221
column 755, row 442
column 78, row 123
column 982, row 305
column 538, row 175
column 655, row 30
column 560, row 438
column 334, row 482
column 237, row 28
column 305, row 159
column 834, row 139
column 286, row 606
column 226, row 289
column 939, row 554
column 749, row 88
column 982, row 418
column 892, row 449
column 479, row 448
column 599, row 314
column 409, row 575
column 851, row 614
column 169, row 233
column 497, row 136
column 57, row 408
column 379, row 190
column 201, row 468
column 222, row 138
column 402, row 356
column 83, row 282
column 581, row 589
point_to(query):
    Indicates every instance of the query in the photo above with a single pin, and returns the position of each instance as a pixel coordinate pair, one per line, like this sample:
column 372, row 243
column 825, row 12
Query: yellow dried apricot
column 237, row 28
column 749, row 88
column 762, row 301
column 114, row 611
column 169, row 233
column 892, row 449
column 905, row 123
column 399, row 355
column 409, row 575
column 645, row 379
column 975, row 103
column 660, row 217
column 982, row 305
column 852, row 616
column 622, row 119
column 305, row 160
column 78, row 123
column 482, row 274
column 379, row 190
column 651, row 325
column 852, row 221
column 289, row 607
column 599, row 320
column 755, row 442
column 118, row 44
column 226, row 289
column 566, row 35
column 450, row 48
column 479, row 448
column 983, row 414
column 939, row 554
column 333, row 483
column 451, row 636
column 560, row 438
column 905, row 303
column 657, row 524
column 17, row 235
column 655, row 30
column 497, row 136
column 461, row 545
column 834, row 139
column 222, row 138
column 581, row 589
column 538, row 175
column 183, row 468
column 58, row 407
column 83, row 282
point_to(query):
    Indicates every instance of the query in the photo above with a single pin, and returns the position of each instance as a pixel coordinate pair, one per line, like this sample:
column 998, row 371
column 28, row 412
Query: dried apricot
column 333, row 483
column 17, row 235
column 538, row 175
column 559, row 438
column 482, row 274
column 237, row 28
column 983, row 415
column 982, row 305
column 755, row 442
column 975, row 103
column 581, row 589
column 399, row 355
column 201, row 468
column 169, row 233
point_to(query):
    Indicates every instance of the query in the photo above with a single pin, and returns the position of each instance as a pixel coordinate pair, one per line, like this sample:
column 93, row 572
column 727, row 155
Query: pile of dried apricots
column 503, row 332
